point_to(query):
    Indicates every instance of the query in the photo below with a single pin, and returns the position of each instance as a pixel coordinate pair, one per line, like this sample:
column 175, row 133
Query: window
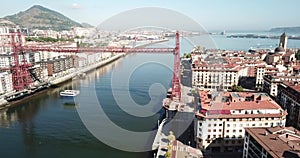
column 227, row 131
column 228, row 125
column 209, row 130
column 240, row 130
column 234, row 130
column 215, row 130
column 253, row 124
column 215, row 125
column 266, row 124
column 208, row 141
column 220, row 130
column 208, row 136
column 200, row 124
column 209, row 125
column 220, row 124
column 226, row 141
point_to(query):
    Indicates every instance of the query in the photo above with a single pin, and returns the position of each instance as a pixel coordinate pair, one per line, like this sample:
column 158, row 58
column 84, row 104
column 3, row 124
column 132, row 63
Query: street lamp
column 157, row 124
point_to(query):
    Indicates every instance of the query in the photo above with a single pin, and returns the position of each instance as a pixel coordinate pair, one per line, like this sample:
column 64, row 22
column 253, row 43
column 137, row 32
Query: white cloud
column 75, row 6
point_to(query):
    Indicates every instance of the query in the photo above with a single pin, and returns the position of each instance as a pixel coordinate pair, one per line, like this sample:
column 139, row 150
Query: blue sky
column 211, row 14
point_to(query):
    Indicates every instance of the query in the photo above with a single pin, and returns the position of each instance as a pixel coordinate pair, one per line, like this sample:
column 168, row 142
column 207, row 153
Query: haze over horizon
column 212, row 15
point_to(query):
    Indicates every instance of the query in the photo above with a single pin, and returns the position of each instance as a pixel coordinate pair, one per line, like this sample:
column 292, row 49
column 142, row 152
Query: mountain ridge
column 293, row 29
column 39, row 17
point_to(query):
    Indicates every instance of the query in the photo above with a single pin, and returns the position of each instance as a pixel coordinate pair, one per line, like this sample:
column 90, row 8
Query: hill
column 286, row 29
column 38, row 17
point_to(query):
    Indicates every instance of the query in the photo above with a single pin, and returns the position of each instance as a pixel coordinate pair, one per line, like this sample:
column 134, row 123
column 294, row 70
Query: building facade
column 271, row 82
column 289, row 99
column 217, row 76
column 220, row 123
column 281, row 142
column 6, row 82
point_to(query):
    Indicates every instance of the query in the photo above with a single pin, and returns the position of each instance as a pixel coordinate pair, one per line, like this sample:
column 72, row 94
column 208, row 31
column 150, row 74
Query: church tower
column 283, row 41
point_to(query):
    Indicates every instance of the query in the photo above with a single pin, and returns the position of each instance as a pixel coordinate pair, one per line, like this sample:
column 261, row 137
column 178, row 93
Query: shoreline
column 69, row 77
column 5, row 105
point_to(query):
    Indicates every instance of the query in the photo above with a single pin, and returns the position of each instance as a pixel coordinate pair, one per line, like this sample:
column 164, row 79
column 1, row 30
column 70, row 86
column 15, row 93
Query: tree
column 236, row 88
column 298, row 55
column 187, row 55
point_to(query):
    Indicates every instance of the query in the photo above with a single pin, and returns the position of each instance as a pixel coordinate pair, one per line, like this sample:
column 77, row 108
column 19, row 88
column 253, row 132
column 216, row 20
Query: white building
column 260, row 72
column 271, row 82
column 5, row 82
column 220, row 125
column 83, row 32
column 217, row 76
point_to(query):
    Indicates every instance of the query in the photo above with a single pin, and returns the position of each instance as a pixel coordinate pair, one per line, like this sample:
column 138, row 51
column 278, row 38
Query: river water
column 45, row 126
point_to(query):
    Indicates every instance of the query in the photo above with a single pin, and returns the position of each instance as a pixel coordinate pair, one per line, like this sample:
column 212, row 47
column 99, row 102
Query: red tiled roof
column 247, row 105
column 241, row 115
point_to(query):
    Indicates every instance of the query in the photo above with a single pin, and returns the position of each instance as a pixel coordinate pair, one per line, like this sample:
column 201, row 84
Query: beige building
column 216, row 76
column 220, row 123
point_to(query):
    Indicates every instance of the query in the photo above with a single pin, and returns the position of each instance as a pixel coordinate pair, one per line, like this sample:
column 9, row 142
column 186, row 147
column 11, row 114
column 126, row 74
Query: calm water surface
column 45, row 126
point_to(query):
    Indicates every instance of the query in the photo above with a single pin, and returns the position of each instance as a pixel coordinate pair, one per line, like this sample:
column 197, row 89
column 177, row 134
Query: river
column 46, row 126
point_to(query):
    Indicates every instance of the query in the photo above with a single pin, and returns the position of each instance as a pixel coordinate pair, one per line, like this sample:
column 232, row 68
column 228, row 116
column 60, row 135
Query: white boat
column 69, row 93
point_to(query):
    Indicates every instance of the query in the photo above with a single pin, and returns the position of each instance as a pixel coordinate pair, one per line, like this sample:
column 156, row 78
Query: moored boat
column 69, row 93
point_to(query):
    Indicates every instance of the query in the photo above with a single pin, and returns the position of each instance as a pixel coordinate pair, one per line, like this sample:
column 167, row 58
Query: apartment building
column 59, row 64
column 220, row 122
column 5, row 82
column 289, row 99
column 271, row 82
column 216, row 76
column 279, row 142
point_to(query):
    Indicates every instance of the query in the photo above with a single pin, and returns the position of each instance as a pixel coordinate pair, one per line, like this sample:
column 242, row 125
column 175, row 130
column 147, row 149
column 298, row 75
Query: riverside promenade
column 56, row 81
column 185, row 113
